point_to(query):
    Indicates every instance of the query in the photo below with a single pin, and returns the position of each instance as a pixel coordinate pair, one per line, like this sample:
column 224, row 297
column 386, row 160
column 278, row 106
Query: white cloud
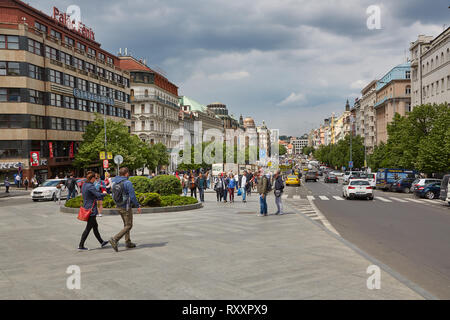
column 297, row 98
column 359, row 84
column 229, row 75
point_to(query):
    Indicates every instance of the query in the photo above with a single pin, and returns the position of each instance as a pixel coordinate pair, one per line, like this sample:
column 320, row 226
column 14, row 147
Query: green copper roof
column 195, row 106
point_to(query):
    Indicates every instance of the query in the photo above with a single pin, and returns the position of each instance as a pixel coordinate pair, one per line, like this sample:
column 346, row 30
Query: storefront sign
column 71, row 150
column 73, row 23
column 50, row 148
column 34, row 158
column 9, row 165
column 92, row 97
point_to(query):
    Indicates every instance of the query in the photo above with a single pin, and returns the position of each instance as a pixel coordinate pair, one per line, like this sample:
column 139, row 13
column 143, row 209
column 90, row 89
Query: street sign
column 118, row 159
column 105, row 164
column 102, row 155
column 110, row 156
column 350, row 164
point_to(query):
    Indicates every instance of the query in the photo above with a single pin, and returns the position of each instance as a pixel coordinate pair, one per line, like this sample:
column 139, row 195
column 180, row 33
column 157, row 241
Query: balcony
column 153, row 98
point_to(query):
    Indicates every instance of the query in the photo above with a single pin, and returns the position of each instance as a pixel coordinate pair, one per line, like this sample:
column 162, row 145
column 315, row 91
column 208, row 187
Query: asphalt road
column 411, row 238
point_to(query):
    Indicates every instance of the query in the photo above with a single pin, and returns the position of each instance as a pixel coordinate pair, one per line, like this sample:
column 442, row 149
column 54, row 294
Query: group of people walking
column 192, row 182
column 125, row 198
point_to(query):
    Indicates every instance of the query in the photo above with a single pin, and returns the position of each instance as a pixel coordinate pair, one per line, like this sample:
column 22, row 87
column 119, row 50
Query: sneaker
column 260, row 215
column 114, row 244
column 100, row 215
column 277, row 213
column 83, row 249
column 282, row 213
column 104, row 243
column 131, row 245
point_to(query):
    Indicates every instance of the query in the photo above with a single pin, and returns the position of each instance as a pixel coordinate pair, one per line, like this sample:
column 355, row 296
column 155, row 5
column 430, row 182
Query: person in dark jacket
column 193, row 184
column 279, row 187
column 218, row 187
column 90, row 198
column 201, row 183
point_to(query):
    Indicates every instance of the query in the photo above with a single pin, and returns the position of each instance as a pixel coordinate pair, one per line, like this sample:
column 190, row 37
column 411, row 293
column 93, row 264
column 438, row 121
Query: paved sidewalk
column 222, row 251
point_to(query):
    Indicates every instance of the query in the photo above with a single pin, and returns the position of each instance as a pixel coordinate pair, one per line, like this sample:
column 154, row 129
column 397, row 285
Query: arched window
column 146, row 93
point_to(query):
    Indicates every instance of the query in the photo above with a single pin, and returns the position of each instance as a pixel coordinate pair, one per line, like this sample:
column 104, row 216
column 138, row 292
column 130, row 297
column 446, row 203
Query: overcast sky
column 288, row 62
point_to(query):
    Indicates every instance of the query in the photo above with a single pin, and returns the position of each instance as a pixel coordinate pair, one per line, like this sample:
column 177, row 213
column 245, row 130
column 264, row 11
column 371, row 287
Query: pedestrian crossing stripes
column 339, row 198
column 398, row 199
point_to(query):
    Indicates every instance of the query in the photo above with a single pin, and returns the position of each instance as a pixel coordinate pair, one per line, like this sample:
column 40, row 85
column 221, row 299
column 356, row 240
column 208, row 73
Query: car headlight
column 48, row 192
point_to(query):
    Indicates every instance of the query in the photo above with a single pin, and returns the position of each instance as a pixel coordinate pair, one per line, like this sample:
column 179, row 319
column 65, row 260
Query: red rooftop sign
column 73, row 24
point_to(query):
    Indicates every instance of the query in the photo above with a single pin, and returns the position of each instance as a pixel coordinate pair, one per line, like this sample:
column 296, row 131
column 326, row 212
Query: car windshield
column 292, row 177
column 51, row 183
column 359, row 183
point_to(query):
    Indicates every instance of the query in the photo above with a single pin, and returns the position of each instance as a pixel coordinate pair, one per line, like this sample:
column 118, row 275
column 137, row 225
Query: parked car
column 312, row 175
column 47, row 191
column 422, row 183
column 337, row 173
column 358, row 188
column 445, row 189
column 402, row 185
column 330, row 178
column 351, row 175
column 430, row 191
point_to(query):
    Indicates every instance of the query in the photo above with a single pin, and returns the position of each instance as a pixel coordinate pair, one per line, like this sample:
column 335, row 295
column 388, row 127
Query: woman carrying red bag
column 90, row 198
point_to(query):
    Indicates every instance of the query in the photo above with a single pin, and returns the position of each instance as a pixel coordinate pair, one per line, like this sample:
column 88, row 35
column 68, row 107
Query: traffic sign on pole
column 109, row 156
column 350, row 164
column 118, row 159
column 102, row 155
column 105, row 164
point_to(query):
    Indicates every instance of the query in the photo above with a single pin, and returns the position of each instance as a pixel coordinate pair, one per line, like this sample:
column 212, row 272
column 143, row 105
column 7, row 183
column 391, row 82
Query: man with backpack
column 71, row 187
column 279, row 187
column 262, row 191
column 124, row 197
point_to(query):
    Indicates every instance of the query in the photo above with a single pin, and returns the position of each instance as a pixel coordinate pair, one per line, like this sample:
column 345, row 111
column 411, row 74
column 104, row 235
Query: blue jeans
column 263, row 204
column 208, row 183
column 185, row 190
column 225, row 191
column 244, row 194
column 72, row 194
column 201, row 192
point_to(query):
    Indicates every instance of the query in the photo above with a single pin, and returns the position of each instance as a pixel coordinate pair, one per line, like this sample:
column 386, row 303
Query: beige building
column 368, row 119
column 430, row 66
column 52, row 82
column 393, row 95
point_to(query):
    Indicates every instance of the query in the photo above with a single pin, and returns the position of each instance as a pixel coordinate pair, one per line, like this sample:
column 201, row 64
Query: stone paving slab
column 221, row 251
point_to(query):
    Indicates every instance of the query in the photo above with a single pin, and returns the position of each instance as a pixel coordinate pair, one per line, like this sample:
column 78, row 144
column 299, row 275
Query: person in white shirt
column 243, row 186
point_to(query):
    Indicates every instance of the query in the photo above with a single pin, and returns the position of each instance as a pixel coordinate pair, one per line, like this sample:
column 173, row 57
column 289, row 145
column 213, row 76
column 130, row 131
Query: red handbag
column 83, row 214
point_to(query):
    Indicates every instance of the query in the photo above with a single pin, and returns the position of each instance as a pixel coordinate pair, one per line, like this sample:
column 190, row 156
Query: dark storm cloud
column 299, row 56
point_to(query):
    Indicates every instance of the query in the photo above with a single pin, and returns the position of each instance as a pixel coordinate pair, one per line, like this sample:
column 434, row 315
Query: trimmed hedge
column 151, row 200
column 165, row 185
column 140, row 184
column 176, row 200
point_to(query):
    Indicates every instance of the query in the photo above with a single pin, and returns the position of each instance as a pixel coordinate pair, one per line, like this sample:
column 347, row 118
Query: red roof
column 131, row 64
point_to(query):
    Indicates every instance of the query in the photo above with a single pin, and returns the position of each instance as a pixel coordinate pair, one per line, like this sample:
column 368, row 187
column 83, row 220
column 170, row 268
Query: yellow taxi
column 293, row 181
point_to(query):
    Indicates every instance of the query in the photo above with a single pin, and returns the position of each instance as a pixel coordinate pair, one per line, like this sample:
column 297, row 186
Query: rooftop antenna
column 120, row 51
column 126, row 51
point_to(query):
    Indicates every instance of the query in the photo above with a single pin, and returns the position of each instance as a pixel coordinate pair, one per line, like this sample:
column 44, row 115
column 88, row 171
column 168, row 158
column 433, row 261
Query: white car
column 372, row 178
column 48, row 190
column 337, row 173
column 358, row 188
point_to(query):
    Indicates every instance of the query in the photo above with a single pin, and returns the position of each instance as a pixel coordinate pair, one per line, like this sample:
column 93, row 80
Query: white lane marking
column 397, row 199
column 323, row 198
column 338, row 198
column 383, row 199
column 297, row 198
column 417, row 201
column 311, row 198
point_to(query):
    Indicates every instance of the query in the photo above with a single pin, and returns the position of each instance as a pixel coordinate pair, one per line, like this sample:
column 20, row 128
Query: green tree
column 282, row 150
column 136, row 153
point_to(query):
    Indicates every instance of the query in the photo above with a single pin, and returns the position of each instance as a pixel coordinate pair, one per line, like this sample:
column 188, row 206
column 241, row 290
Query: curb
column 112, row 212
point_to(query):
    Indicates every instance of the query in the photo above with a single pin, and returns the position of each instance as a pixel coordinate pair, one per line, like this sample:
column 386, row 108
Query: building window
column 57, row 123
column 101, row 56
column 40, row 27
column 92, row 87
column 55, row 76
column 69, row 81
column 36, row 122
column 82, row 105
column 55, row 100
column 143, row 108
column 51, row 53
column 109, row 60
column 89, row 67
column 69, row 103
column 36, row 97
column 408, row 90
column 69, row 41
column 132, row 108
column 9, row 95
column 70, row 124
column 146, row 93
column 142, row 125
column 77, row 63
column 81, row 47
column 92, row 52
column 93, row 106
column 34, row 47
column 55, row 34
column 9, row 42
column 65, row 58
column 9, row 68
column 81, row 84
column 102, row 108
column 408, row 75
